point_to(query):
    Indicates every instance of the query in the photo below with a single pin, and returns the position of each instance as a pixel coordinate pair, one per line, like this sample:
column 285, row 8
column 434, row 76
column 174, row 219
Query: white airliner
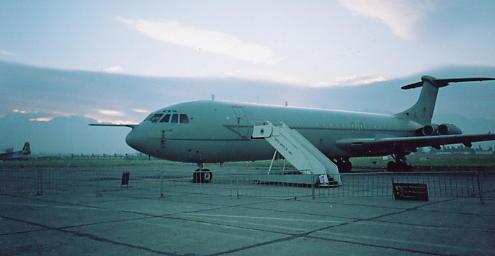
column 216, row 132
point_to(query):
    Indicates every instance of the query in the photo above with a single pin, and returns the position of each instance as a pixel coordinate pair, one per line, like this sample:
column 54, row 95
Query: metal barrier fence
column 156, row 181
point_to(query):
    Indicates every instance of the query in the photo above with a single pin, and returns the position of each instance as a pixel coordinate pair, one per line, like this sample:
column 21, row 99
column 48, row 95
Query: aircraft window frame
column 156, row 117
column 148, row 117
column 174, row 119
column 185, row 120
column 165, row 118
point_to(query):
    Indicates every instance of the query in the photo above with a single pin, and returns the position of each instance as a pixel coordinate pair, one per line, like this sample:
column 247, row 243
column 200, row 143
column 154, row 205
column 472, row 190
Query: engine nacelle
column 426, row 130
column 448, row 129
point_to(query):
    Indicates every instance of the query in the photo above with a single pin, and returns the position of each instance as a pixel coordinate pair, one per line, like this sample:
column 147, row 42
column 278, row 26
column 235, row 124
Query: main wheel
column 347, row 166
column 404, row 167
column 398, row 167
column 392, row 166
column 344, row 166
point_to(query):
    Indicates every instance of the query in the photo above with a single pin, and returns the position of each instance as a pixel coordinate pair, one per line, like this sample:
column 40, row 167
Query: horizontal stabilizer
column 444, row 82
column 116, row 125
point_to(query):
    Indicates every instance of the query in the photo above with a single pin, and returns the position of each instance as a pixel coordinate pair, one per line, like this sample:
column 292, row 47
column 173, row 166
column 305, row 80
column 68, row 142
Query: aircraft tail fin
column 422, row 111
column 26, row 150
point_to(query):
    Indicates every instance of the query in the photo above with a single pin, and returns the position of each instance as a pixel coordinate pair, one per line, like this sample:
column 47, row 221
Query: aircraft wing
column 408, row 143
column 116, row 125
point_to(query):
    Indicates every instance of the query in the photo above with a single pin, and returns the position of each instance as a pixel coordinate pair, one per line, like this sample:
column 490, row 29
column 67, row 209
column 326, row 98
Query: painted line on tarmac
column 92, row 237
column 373, row 241
column 308, row 234
column 263, row 227
column 76, row 207
column 263, row 218
column 428, row 227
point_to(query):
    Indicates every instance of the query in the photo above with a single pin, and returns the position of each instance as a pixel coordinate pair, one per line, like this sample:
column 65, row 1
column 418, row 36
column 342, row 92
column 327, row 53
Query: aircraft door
column 241, row 126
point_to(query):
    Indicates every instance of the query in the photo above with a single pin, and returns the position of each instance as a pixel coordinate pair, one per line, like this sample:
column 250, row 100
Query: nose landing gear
column 201, row 175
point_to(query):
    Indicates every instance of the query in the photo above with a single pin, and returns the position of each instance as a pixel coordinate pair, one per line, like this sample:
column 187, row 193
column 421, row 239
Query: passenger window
column 165, row 118
column 155, row 118
column 183, row 119
column 175, row 118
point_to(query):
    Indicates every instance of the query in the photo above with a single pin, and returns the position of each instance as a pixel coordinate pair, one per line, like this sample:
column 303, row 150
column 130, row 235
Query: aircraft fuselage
column 221, row 131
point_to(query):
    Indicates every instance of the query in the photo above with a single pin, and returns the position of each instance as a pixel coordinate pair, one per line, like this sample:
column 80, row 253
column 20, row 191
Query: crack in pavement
column 308, row 233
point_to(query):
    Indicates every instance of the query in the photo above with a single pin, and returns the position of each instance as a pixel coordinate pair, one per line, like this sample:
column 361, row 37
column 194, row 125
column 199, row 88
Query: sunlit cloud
column 140, row 110
column 110, row 112
column 211, row 41
column 267, row 75
column 119, row 121
column 20, row 111
column 358, row 80
column 41, row 119
column 41, row 111
column 101, row 118
column 293, row 80
column 113, row 69
column 403, row 17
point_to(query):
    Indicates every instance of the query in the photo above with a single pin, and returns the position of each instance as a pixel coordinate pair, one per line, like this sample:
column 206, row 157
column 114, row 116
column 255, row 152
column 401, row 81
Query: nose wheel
column 202, row 176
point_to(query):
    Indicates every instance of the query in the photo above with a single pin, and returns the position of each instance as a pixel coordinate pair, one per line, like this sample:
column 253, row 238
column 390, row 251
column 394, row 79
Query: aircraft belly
column 212, row 151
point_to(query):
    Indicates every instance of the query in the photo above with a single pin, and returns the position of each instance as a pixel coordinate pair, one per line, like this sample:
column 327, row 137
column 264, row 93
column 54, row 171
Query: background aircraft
column 210, row 131
column 9, row 154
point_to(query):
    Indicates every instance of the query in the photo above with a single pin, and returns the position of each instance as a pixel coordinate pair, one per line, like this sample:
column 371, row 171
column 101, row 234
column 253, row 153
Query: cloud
column 41, row 111
column 403, row 17
column 41, row 119
column 358, row 80
column 211, row 41
column 266, row 75
column 109, row 116
column 110, row 112
column 6, row 53
column 140, row 110
column 20, row 111
column 113, row 69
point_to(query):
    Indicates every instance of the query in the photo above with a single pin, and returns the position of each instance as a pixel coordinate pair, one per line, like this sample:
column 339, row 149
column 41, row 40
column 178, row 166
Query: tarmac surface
column 89, row 213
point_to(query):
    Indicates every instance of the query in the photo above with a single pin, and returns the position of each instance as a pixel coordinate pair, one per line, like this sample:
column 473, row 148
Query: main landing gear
column 399, row 164
column 201, row 175
column 343, row 164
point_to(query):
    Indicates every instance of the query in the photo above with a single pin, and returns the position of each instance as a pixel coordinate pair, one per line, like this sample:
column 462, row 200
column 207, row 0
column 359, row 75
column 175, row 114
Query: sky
column 303, row 43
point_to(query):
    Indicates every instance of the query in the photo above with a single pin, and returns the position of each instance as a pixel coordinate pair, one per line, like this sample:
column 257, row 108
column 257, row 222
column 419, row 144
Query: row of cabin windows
column 169, row 118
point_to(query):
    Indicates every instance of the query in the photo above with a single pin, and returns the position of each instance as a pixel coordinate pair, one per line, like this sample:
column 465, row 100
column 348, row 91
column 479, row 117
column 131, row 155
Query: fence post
column 392, row 179
column 313, row 181
column 97, row 176
column 237, row 188
column 480, row 187
column 161, row 184
column 39, row 184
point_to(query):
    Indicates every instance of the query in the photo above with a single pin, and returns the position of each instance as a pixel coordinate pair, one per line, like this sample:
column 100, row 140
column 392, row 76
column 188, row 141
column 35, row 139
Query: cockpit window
column 148, row 117
column 155, row 118
column 165, row 118
column 183, row 119
column 175, row 118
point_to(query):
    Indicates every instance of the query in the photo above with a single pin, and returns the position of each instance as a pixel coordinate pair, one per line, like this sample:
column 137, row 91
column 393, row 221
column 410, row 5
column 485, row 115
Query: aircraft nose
column 132, row 140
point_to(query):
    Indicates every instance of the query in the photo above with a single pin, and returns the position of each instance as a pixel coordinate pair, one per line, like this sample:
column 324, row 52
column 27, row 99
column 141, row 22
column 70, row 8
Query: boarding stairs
column 296, row 149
